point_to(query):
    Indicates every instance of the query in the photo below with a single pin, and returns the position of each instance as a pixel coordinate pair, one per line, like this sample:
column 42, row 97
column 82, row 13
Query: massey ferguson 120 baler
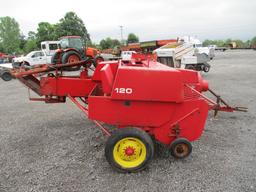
column 144, row 99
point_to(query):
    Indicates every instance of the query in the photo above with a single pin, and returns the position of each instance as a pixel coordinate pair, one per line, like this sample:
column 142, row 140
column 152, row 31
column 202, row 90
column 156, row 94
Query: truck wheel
column 129, row 150
column 71, row 57
column 24, row 64
column 180, row 148
column 206, row 68
column 6, row 76
column 191, row 67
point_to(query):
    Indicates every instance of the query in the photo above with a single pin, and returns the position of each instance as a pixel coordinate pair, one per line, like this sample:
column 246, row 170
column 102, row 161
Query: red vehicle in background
column 72, row 50
column 5, row 58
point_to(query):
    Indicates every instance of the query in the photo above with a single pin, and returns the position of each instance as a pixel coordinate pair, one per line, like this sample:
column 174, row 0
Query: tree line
column 12, row 41
column 227, row 42
column 109, row 43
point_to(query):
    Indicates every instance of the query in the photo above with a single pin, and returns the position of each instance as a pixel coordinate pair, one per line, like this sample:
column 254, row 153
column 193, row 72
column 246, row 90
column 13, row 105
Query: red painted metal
column 43, row 68
column 164, row 42
column 129, row 151
column 63, row 86
column 166, row 102
column 85, row 110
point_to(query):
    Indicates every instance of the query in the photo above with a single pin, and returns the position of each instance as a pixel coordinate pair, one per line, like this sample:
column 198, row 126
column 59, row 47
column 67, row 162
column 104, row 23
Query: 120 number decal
column 123, row 90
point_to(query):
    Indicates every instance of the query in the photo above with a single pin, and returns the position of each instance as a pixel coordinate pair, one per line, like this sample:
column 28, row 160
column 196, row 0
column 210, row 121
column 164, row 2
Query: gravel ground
column 52, row 147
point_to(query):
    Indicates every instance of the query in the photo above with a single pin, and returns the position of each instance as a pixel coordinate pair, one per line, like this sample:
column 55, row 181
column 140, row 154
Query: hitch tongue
column 243, row 109
column 226, row 106
column 220, row 104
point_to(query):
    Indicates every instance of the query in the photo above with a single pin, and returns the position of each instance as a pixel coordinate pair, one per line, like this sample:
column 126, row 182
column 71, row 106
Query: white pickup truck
column 43, row 56
column 33, row 58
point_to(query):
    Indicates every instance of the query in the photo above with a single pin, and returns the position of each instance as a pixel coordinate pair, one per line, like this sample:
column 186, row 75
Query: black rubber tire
column 206, row 68
column 6, row 76
column 24, row 64
column 177, row 148
column 95, row 60
column 129, row 132
column 55, row 58
column 190, row 67
column 90, row 63
column 65, row 57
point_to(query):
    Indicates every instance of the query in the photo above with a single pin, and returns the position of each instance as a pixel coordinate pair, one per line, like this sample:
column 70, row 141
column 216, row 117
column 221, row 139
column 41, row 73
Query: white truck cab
column 200, row 49
column 49, row 47
column 127, row 55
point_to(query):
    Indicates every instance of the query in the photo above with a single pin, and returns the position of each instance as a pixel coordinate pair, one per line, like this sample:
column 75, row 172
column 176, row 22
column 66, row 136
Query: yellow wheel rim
column 129, row 152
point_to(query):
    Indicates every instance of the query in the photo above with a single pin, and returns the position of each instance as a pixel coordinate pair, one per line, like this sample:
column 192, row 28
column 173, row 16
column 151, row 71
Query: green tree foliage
column 23, row 41
column 104, row 44
column 11, row 41
column 253, row 41
column 219, row 43
column 31, row 35
column 45, row 32
column 109, row 43
column 30, row 42
column 30, row 45
column 94, row 45
column 207, row 42
column 240, row 43
column 71, row 24
column 132, row 38
column 1, row 48
column 115, row 43
column 9, row 35
column 247, row 43
column 227, row 42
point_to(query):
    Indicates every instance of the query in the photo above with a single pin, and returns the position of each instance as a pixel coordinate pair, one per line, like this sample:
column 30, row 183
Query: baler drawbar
column 144, row 99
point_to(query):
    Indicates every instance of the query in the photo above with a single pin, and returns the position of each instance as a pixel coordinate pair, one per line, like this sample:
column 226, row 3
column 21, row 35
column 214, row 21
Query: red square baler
column 144, row 99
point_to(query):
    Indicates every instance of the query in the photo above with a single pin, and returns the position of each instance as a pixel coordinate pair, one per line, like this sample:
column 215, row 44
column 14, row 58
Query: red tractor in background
column 72, row 50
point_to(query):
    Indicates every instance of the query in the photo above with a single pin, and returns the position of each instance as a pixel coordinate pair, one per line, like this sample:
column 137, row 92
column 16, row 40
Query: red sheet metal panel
column 97, row 73
column 64, row 86
column 156, row 83
column 107, row 79
column 130, row 113
column 158, row 117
